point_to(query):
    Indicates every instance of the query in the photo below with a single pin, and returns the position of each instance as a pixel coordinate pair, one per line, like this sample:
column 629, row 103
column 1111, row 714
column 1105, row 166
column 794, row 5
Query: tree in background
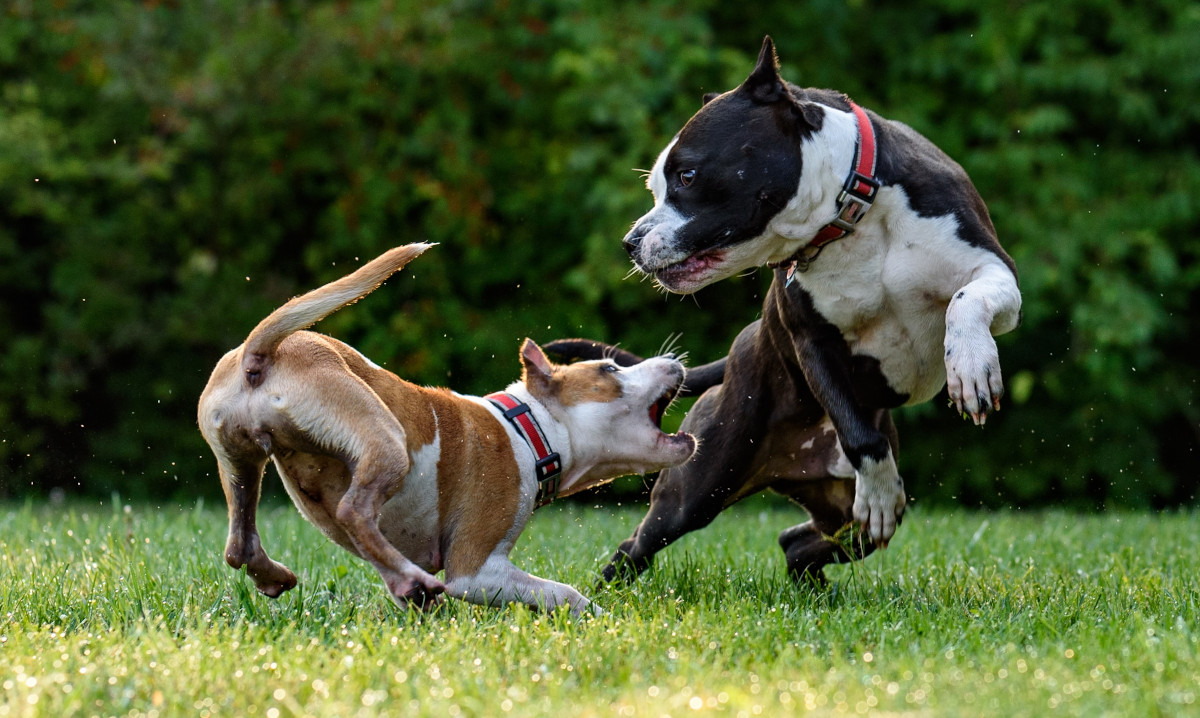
column 171, row 172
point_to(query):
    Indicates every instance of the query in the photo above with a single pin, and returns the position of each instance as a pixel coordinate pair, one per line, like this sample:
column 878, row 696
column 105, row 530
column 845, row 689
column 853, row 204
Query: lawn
column 110, row 609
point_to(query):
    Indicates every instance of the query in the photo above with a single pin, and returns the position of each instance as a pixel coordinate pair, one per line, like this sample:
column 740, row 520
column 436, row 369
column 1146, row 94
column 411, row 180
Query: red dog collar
column 857, row 195
column 548, row 466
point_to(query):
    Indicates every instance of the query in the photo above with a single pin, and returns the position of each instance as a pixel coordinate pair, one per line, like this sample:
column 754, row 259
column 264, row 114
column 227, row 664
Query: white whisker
column 667, row 348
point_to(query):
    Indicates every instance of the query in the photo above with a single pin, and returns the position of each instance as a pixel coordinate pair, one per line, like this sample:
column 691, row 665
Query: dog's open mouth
column 688, row 270
column 658, row 409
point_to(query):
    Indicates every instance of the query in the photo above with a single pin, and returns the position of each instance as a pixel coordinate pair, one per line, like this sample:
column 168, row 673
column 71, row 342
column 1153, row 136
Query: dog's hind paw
column 271, row 578
column 417, row 591
column 275, row 589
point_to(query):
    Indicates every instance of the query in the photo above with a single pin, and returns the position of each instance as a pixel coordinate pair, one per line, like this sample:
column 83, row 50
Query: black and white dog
column 889, row 282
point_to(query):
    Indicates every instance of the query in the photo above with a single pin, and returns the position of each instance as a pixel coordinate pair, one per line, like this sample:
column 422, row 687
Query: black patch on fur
column 936, row 185
column 851, row 387
column 746, row 157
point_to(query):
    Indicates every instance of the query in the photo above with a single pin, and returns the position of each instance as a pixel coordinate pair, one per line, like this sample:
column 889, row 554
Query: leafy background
column 172, row 171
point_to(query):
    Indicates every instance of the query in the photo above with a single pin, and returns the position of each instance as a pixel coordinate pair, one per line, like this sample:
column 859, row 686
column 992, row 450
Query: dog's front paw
column 973, row 377
column 879, row 499
column 622, row 568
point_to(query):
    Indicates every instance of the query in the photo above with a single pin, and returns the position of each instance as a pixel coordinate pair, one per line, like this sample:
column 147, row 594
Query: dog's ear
column 537, row 371
column 709, row 97
column 767, row 87
column 764, row 84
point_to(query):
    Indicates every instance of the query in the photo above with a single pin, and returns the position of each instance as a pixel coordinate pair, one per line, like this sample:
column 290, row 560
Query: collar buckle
column 856, row 197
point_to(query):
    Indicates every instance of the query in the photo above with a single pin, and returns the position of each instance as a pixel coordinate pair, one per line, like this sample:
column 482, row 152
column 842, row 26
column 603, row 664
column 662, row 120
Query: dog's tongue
column 658, row 409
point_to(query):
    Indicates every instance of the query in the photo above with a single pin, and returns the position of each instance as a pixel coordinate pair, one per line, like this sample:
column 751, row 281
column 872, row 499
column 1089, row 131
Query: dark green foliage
column 171, row 172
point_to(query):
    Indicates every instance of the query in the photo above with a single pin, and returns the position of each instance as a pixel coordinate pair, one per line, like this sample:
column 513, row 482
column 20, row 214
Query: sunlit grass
column 108, row 610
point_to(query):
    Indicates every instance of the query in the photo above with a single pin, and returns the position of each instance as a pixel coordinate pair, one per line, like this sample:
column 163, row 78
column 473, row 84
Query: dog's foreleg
column 241, row 479
column 987, row 306
column 879, row 499
column 498, row 581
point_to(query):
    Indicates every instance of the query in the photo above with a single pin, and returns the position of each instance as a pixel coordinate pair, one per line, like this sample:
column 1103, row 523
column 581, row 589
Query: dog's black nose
column 632, row 240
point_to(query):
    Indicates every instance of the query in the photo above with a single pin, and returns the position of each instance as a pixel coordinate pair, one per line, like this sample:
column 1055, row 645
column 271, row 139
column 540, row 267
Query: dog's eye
column 610, row 368
column 686, row 177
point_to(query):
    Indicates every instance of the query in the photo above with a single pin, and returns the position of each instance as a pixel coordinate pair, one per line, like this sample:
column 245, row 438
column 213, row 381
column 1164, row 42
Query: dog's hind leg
column 815, row 544
column 241, row 479
column 376, row 476
column 831, row 536
column 341, row 412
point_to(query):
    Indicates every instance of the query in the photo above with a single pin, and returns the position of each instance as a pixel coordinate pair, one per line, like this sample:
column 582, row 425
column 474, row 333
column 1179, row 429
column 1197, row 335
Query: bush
column 172, row 172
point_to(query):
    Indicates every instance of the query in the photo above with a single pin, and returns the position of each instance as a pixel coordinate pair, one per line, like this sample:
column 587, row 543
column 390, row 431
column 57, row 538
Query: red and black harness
column 548, row 465
column 857, row 196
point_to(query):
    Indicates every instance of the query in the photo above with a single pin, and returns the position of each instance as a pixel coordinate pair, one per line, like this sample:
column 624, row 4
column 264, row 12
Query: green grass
column 109, row 610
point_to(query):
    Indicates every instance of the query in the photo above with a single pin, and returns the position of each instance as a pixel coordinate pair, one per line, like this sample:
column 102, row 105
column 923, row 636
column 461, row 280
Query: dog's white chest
column 887, row 287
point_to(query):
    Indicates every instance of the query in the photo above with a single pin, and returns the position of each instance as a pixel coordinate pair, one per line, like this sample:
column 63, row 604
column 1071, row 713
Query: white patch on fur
column 840, row 467
column 365, row 358
column 657, row 247
column 409, row 519
column 887, row 286
column 660, row 239
column 656, row 181
column 988, row 305
column 827, row 157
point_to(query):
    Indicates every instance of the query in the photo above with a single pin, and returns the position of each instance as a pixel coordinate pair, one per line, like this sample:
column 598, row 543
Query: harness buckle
column 549, row 475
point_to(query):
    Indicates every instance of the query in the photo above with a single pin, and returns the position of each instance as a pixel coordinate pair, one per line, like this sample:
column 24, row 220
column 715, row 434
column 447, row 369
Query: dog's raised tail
column 308, row 309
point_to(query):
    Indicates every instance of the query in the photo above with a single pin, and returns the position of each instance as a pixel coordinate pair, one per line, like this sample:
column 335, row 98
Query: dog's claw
column 973, row 379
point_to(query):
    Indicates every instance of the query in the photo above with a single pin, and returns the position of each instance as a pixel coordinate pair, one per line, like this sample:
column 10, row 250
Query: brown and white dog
column 414, row 479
